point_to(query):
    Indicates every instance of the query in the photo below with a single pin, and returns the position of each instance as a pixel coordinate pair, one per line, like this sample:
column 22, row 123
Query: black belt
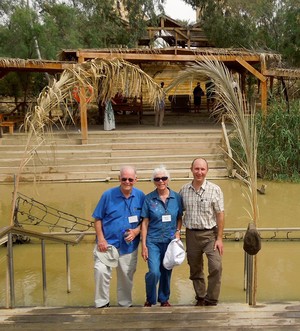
column 212, row 229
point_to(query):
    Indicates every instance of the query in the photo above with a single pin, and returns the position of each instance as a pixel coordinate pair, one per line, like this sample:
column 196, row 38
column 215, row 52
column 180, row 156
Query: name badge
column 133, row 219
column 166, row 218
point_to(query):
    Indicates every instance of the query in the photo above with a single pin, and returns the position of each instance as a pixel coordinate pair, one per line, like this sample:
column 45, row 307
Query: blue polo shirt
column 114, row 210
column 154, row 209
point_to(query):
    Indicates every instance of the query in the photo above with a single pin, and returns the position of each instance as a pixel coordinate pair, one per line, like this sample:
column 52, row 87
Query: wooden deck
column 226, row 316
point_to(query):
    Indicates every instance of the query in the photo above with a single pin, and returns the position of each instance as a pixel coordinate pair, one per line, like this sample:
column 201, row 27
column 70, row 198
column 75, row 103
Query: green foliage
column 37, row 27
column 18, row 36
column 259, row 24
column 279, row 143
column 278, row 153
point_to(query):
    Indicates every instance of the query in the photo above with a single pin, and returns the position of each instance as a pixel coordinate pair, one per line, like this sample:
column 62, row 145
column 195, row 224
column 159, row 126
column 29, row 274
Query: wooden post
column 264, row 97
column 83, row 116
column 83, row 110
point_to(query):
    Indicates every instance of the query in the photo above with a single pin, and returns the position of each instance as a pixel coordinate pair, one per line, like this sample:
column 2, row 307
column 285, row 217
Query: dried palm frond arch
column 241, row 115
column 103, row 77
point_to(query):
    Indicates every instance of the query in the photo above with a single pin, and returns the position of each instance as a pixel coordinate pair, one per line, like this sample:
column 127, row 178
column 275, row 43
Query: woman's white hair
column 161, row 169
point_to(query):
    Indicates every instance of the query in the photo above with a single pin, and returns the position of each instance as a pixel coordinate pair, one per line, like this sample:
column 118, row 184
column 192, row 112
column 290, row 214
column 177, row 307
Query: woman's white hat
column 175, row 254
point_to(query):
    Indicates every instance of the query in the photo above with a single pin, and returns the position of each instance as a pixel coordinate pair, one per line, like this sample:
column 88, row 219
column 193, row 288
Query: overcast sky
column 177, row 9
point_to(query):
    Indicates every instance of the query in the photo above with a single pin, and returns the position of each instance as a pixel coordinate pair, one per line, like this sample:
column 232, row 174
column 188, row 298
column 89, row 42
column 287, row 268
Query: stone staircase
column 64, row 158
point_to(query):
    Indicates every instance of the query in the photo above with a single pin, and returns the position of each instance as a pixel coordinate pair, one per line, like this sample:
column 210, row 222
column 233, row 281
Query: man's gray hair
column 127, row 167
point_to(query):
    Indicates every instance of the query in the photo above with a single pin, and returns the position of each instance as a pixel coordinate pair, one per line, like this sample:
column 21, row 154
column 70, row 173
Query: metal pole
column 250, row 279
column 11, row 269
column 44, row 272
column 245, row 274
column 68, row 269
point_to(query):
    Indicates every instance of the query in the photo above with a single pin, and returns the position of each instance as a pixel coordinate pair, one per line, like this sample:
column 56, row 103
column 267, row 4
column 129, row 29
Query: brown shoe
column 147, row 304
column 208, row 303
column 200, row 302
column 165, row 304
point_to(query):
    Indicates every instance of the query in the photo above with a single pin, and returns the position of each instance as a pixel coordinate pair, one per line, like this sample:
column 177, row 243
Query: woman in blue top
column 162, row 219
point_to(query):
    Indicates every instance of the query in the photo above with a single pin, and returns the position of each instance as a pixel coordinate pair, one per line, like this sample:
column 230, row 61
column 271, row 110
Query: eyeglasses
column 131, row 180
column 158, row 179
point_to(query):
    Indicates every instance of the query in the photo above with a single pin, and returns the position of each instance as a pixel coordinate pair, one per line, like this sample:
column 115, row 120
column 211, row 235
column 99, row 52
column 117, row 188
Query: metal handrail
column 9, row 231
column 46, row 236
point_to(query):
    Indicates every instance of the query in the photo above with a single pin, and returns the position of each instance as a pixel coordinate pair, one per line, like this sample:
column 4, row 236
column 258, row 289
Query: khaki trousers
column 199, row 242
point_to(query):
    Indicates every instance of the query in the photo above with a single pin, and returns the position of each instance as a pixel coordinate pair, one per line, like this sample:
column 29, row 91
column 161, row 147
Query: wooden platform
column 227, row 316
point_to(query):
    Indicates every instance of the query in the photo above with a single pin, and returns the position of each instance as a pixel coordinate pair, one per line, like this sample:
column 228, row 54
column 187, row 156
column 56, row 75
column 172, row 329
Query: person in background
column 160, row 113
column 118, row 211
column 109, row 116
column 210, row 94
column 198, row 92
column 203, row 205
column 162, row 218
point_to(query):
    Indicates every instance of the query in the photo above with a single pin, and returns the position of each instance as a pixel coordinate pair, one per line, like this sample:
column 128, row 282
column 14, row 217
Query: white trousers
column 125, row 271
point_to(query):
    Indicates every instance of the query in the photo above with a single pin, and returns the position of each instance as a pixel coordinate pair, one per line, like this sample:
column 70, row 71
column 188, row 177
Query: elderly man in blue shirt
column 117, row 212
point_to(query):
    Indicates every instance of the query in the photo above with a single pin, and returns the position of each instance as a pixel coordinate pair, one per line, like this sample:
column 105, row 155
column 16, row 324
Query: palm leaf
column 230, row 102
column 104, row 77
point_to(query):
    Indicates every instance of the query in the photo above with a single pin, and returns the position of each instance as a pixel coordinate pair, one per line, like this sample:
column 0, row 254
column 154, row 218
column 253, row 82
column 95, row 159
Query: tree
column 259, row 24
column 33, row 29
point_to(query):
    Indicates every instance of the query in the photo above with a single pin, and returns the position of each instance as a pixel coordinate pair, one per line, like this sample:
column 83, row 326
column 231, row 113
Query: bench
column 10, row 121
column 133, row 105
column 9, row 124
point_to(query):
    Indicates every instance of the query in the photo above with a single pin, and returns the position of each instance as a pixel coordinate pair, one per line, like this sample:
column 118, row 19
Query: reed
column 279, row 142
column 240, row 114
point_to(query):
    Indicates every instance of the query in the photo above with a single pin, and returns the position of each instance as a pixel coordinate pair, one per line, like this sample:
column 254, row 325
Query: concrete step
column 66, row 158
column 104, row 176
column 81, row 158
column 96, row 139
column 89, row 167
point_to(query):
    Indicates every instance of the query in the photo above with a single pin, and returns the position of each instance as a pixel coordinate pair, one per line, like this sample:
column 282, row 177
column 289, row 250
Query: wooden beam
column 255, row 72
column 181, row 33
column 282, row 73
column 152, row 57
column 40, row 66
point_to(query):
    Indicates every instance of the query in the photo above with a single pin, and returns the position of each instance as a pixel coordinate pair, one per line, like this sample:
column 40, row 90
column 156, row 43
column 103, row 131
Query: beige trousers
column 125, row 271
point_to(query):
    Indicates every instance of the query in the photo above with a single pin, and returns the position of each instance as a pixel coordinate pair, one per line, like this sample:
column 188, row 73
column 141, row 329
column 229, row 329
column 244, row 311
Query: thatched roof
column 16, row 64
column 69, row 57
column 283, row 73
column 66, row 54
column 230, row 56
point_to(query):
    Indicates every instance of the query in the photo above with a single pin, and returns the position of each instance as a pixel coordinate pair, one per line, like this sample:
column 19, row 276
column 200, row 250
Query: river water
column 278, row 261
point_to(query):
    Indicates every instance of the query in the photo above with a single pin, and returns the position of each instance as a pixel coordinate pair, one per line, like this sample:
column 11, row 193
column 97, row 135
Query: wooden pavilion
column 184, row 47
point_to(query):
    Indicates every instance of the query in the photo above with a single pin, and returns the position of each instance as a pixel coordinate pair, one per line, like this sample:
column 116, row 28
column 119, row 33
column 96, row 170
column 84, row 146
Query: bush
column 278, row 155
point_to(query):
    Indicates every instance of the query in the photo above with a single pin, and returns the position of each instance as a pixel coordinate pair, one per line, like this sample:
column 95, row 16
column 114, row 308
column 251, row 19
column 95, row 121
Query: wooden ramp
column 227, row 316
